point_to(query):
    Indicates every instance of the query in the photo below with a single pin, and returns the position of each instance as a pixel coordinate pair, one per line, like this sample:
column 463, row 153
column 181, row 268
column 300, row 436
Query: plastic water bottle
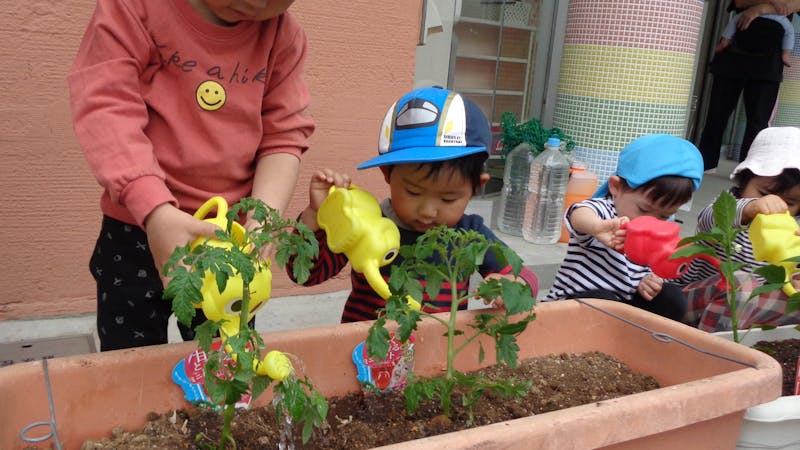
column 581, row 186
column 514, row 194
column 547, row 187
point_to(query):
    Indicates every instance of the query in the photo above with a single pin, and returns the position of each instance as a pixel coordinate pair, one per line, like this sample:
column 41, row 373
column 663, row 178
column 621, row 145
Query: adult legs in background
column 759, row 99
column 725, row 93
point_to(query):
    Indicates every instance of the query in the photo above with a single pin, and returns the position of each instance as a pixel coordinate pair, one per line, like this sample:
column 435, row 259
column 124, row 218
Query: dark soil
column 359, row 421
column 787, row 353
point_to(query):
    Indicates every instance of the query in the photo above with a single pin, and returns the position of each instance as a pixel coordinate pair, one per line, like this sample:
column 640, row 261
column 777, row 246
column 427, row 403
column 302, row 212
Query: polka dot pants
column 130, row 309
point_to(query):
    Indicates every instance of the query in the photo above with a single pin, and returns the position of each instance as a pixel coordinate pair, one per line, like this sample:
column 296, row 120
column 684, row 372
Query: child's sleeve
column 730, row 28
column 581, row 238
column 108, row 112
column 286, row 96
column 788, row 33
column 327, row 265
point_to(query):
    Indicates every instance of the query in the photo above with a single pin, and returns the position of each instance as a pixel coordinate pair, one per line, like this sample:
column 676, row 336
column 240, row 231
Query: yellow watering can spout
column 355, row 226
column 774, row 240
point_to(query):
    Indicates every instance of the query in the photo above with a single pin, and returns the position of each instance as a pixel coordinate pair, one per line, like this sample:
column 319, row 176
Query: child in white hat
column 766, row 182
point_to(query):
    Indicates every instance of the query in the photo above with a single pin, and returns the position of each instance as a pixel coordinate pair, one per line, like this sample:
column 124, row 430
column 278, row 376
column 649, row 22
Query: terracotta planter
column 700, row 406
column 774, row 424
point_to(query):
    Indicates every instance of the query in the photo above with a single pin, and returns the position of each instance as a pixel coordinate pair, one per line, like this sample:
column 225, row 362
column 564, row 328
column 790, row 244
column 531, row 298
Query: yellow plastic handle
column 220, row 204
column 220, row 220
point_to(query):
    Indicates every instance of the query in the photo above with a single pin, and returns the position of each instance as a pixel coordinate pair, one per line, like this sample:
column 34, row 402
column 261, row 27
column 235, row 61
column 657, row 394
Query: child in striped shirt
column 766, row 182
column 432, row 148
column 656, row 174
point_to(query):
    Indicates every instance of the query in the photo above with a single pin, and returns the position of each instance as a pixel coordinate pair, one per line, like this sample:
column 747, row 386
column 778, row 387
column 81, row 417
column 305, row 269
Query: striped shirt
column 363, row 302
column 590, row 265
column 700, row 269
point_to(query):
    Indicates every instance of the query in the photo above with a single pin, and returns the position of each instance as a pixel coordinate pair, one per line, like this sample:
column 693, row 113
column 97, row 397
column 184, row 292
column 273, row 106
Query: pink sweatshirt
column 171, row 108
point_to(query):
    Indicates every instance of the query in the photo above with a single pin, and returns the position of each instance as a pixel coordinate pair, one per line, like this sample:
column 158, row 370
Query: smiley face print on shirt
column 210, row 95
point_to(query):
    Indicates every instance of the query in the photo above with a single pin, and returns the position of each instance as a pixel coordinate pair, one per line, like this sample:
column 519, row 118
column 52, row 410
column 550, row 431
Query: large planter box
column 700, row 405
column 774, row 424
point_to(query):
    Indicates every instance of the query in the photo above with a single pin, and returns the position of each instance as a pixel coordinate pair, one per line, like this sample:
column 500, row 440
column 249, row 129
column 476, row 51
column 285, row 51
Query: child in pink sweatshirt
column 173, row 102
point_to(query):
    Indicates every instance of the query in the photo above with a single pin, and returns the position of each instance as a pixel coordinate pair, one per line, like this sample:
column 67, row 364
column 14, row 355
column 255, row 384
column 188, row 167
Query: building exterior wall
column 361, row 56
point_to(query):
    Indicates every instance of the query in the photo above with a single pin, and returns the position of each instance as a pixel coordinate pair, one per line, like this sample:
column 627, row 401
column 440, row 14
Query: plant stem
column 451, row 328
column 244, row 314
column 226, row 426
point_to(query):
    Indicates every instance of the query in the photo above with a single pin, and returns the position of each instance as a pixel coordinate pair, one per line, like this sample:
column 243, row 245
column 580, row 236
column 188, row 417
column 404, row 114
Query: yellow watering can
column 352, row 219
column 227, row 304
column 774, row 240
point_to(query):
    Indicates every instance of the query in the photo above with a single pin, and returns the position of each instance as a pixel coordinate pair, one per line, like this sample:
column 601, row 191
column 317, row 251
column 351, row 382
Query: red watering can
column 650, row 242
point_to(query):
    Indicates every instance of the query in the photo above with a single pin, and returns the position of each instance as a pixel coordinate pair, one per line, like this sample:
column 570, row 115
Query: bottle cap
column 553, row 141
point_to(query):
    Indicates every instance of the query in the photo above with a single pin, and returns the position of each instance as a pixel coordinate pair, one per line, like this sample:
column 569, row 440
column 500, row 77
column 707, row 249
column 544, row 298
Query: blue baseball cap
column 656, row 155
column 429, row 125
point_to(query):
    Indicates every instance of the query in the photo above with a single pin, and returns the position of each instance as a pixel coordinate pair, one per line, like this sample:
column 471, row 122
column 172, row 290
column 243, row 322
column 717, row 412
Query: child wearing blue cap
column 766, row 182
column 656, row 174
column 432, row 148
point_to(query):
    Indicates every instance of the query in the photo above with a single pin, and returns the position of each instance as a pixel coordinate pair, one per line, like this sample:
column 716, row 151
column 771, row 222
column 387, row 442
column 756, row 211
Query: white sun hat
column 773, row 150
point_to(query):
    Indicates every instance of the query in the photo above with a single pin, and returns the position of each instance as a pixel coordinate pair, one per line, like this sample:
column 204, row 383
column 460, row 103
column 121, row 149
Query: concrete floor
column 32, row 339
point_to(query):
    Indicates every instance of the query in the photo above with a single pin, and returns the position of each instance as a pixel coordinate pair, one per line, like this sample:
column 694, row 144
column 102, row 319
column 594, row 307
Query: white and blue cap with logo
column 429, row 125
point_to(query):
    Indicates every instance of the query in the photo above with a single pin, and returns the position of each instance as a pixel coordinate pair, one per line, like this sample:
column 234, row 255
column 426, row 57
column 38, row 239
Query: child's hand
column 752, row 13
column 722, row 45
column 795, row 280
column 321, row 182
column 609, row 233
column 768, row 204
column 168, row 228
column 650, row 286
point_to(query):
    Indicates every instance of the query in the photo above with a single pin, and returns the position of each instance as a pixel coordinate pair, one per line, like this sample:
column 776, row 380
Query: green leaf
column 772, row 274
column 517, row 296
column 507, row 349
column 377, row 341
column 184, row 290
column 766, row 289
column 205, row 333
column 692, row 250
column 702, row 236
column 509, row 257
column 793, row 304
column 724, row 210
column 433, row 285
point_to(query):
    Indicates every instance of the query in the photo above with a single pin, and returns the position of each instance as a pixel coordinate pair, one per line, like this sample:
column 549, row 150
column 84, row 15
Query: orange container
column 582, row 184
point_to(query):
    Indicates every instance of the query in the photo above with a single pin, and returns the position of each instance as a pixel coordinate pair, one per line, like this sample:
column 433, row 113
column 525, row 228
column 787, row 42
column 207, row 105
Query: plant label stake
column 388, row 374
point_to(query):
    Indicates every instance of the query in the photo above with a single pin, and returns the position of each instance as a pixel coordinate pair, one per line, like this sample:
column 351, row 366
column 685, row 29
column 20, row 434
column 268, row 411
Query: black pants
column 670, row 302
column 759, row 99
column 130, row 308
